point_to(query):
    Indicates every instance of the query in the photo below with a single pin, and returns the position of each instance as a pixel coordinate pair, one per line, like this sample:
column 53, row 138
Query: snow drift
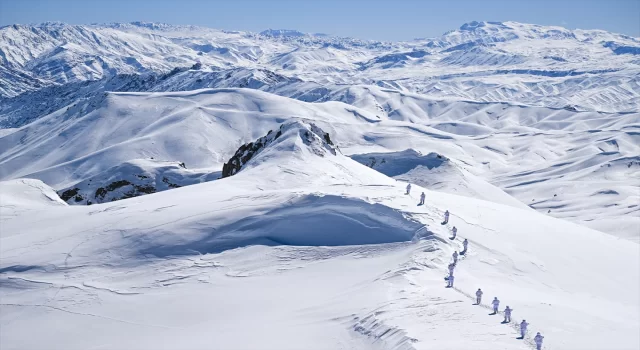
column 304, row 221
column 27, row 194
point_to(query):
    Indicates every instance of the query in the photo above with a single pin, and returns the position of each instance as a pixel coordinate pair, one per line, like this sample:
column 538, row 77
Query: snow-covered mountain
column 312, row 250
column 481, row 61
column 180, row 187
column 577, row 165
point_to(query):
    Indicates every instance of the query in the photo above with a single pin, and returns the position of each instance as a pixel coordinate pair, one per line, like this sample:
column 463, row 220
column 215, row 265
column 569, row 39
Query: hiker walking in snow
column 408, row 188
column 538, row 339
column 507, row 314
column 455, row 257
column 446, row 218
column 450, row 281
column 451, row 267
column 465, row 243
column 455, row 232
column 478, row 296
column 422, row 196
column 523, row 328
column 496, row 304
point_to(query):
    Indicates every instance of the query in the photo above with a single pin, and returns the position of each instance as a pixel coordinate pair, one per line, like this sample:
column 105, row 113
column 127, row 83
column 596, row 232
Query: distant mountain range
column 481, row 61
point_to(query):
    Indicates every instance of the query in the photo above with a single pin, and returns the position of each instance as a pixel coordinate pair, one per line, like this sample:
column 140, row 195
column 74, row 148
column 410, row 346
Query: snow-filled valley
column 179, row 187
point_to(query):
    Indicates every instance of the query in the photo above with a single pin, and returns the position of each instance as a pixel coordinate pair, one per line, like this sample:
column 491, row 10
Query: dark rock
column 170, row 184
column 101, row 192
column 248, row 151
column 148, row 189
column 68, row 194
column 117, row 184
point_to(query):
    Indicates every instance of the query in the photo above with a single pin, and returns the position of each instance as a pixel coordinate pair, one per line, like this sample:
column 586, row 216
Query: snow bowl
column 398, row 163
column 309, row 220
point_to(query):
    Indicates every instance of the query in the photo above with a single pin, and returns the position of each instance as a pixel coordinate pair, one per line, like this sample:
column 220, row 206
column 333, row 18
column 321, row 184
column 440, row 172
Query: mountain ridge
column 504, row 49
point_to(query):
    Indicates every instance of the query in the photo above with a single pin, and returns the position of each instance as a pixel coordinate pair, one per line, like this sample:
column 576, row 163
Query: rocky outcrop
column 132, row 179
column 313, row 137
column 247, row 151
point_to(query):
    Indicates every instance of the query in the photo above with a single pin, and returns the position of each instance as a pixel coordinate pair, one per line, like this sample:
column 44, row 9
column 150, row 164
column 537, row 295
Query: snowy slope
column 585, row 159
column 343, row 260
column 25, row 196
column 131, row 179
column 437, row 173
column 27, row 193
column 201, row 128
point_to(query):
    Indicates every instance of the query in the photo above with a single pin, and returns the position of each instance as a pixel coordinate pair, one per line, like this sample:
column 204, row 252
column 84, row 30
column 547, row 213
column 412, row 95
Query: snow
column 557, row 161
column 482, row 61
column 437, row 173
column 133, row 178
column 171, row 187
column 346, row 260
column 26, row 194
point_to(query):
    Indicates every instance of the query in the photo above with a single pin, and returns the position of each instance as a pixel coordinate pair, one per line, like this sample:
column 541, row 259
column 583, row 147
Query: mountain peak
column 150, row 25
column 294, row 135
column 470, row 26
column 282, row 33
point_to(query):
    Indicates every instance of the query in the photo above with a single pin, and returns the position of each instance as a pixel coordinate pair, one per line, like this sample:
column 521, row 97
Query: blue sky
column 372, row 19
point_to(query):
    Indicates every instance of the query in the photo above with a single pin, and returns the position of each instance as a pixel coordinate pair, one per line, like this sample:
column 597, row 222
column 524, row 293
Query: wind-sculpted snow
column 327, row 221
column 26, row 193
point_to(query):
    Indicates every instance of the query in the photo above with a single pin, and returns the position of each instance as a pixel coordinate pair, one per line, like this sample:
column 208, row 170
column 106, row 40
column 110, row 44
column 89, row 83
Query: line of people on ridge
column 495, row 303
